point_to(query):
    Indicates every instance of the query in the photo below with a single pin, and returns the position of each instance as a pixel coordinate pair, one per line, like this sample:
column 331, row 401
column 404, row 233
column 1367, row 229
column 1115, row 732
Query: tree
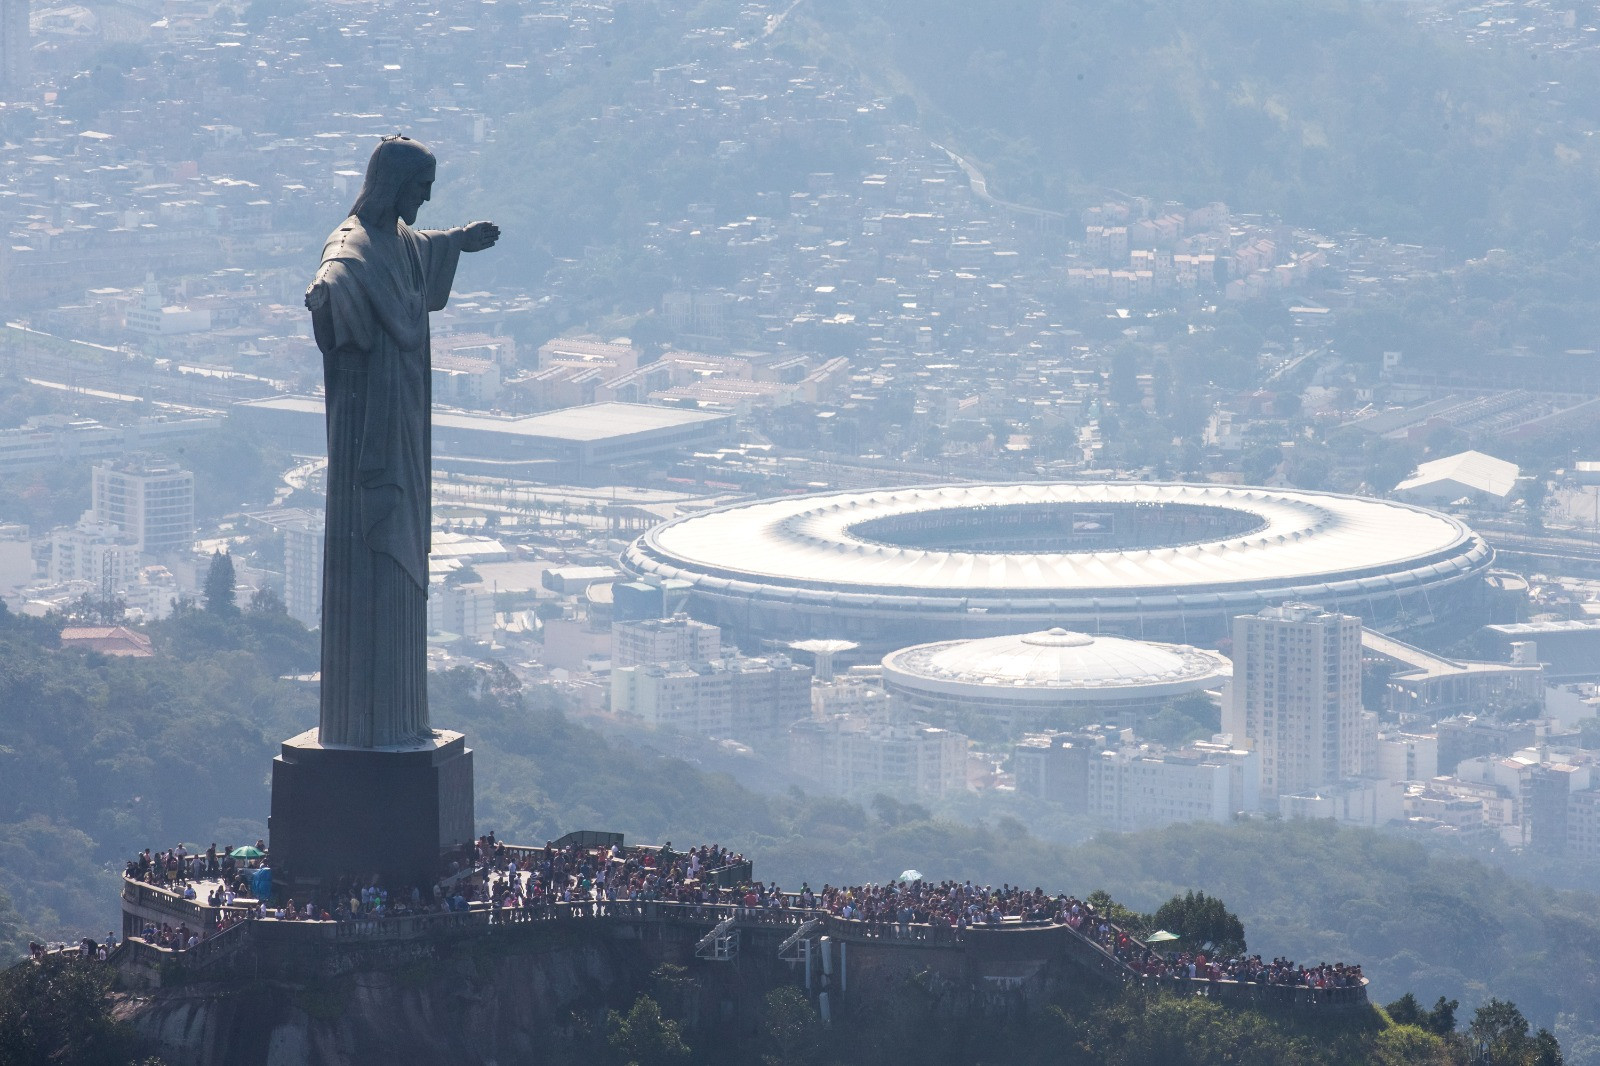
column 220, row 579
column 891, row 811
column 791, row 1032
column 1499, row 1032
column 1201, row 919
column 1546, row 1050
column 1442, row 1019
column 102, row 610
column 1405, row 1010
column 643, row 1038
column 1135, row 923
column 265, row 600
column 1408, row 1045
column 58, row 1012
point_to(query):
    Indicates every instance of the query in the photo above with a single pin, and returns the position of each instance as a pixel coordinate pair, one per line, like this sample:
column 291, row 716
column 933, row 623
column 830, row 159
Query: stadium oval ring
column 893, row 567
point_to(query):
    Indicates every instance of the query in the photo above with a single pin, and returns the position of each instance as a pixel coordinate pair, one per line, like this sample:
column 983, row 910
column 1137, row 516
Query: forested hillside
column 104, row 756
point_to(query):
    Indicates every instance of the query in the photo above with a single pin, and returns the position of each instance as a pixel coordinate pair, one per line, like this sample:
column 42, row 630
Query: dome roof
column 1055, row 665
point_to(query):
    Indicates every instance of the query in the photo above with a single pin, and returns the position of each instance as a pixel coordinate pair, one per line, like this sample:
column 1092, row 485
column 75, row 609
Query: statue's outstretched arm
column 476, row 236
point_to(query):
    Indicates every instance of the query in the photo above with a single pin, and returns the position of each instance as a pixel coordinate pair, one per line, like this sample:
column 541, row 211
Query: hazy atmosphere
column 746, row 486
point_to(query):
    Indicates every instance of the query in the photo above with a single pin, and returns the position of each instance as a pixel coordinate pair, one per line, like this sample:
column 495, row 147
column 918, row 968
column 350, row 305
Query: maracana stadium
column 1173, row 562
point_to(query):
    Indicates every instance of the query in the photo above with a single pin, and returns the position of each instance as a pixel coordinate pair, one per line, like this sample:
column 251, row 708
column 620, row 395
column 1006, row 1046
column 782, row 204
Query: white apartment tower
column 150, row 501
column 302, row 567
column 679, row 639
column 1297, row 696
column 14, row 48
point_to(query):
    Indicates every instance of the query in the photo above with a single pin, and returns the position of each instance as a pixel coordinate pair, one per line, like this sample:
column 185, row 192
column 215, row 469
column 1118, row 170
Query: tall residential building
column 465, row 610
column 151, row 501
column 679, row 639
column 1297, row 696
column 302, row 568
column 96, row 552
column 1107, row 778
column 302, row 560
column 753, row 700
column 856, row 753
column 14, row 52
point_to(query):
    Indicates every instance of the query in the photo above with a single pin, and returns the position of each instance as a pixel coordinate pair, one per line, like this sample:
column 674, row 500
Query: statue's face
column 413, row 194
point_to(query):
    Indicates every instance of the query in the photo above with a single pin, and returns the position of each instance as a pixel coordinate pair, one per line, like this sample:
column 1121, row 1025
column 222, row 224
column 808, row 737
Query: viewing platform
column 820, row 947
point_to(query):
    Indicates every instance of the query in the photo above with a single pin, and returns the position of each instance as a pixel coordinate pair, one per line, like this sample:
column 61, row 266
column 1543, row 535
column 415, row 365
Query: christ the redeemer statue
column 369, row 305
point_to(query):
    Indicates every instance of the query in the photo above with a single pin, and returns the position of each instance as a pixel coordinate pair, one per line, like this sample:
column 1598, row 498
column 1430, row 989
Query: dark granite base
column 340, row 813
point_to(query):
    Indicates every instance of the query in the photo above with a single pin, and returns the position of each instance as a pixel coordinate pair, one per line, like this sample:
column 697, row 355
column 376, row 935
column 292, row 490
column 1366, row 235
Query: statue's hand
column 317, row 295
column 476, row 236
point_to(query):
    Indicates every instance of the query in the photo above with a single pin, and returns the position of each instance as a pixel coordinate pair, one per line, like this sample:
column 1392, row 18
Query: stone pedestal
column 341, row 812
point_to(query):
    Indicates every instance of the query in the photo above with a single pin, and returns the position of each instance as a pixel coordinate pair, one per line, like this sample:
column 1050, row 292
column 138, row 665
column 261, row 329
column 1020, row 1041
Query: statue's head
column 399, row 179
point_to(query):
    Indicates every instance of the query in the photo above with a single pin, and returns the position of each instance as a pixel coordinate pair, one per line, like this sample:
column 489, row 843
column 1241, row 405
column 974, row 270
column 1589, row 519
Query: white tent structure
column 1473, row 476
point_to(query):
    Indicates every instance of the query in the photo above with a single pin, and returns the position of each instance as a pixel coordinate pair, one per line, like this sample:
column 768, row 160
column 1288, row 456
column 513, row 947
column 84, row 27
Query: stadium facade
column 1172, row 562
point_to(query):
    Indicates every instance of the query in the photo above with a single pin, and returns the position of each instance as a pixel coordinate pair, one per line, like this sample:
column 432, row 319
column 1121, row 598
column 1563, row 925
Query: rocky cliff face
column 458, row 1004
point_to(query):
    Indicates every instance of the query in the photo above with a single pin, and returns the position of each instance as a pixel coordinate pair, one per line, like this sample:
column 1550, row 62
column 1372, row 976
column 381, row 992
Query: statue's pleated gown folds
column 373, row 333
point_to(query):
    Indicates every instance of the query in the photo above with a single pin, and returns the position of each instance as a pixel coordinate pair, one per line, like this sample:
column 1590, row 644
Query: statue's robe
column 373, row 333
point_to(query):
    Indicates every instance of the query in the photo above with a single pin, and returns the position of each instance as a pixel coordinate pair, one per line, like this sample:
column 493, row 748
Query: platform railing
column 1082, row 944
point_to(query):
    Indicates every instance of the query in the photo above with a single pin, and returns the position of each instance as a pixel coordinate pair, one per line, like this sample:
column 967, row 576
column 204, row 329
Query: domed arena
column 1052, row 679
column 893, row 567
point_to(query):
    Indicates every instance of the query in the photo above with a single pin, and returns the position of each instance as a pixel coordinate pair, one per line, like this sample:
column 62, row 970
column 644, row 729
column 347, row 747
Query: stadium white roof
column 1293, row 537
column 1055, row 665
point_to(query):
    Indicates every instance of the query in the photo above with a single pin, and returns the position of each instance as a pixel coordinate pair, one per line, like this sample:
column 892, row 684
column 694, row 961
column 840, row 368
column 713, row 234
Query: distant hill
column 1332, row 113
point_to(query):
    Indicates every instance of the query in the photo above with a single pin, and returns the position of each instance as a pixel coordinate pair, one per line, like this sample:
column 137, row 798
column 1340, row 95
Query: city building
column 149, row 500
column 1354, row 801
column 154, row 319
column 1583, row 824
column 302, row 531
column 302, row 568
column 117, row 641
column 1470, row 736
column 1568, row 648
column 1105, row 776
column 1406, row 756
column 58, row 438
column 893, row 567
column 576, row 442
column 1050, row 680
column 1430, row 685
column 861, row 753
column 17, row 566
column 858, row 693
column 1296, row 696
column 464, row 610
column 1477, row 478
column 15, row 65
column 753, row 700
column 93, row 551
column 679, row 639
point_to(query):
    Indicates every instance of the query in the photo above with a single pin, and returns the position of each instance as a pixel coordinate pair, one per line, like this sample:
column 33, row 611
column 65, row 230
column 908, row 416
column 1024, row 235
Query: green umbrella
column 249, row 851
column 1161, row 936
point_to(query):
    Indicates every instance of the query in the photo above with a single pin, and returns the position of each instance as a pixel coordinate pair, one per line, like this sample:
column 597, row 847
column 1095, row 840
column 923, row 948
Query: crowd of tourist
column 177, row 868
column 573, row 874
column 86, row 948
column 1249, row 970
column 892, row 909
column 1196, row 965
column 572, row 879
